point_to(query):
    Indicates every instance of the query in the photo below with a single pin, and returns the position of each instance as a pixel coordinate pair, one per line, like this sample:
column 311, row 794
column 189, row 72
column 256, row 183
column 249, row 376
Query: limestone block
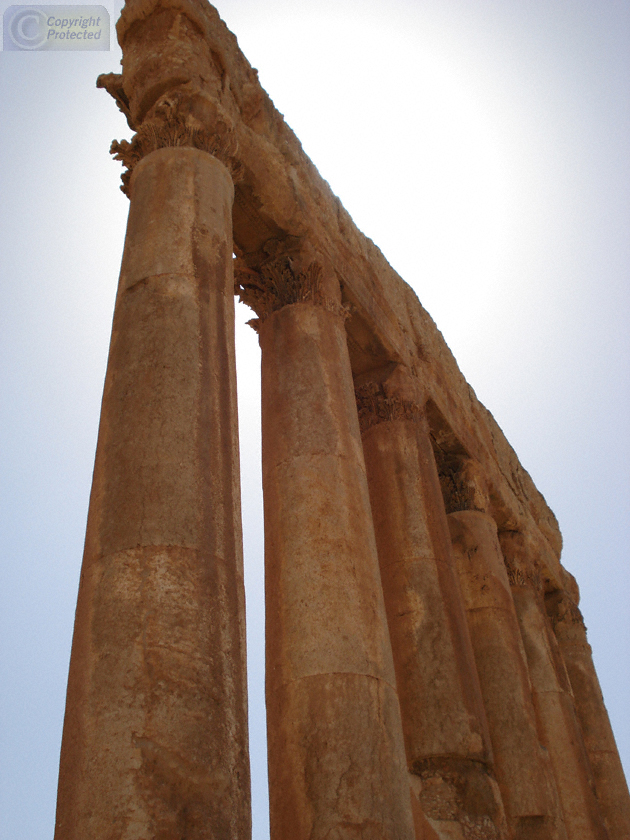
column 334, row 767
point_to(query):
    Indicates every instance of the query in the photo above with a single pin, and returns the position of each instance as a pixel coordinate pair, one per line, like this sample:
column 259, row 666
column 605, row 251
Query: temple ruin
column 427, row 673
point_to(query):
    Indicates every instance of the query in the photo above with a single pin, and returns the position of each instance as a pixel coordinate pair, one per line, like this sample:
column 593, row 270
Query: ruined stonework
column 428, row 675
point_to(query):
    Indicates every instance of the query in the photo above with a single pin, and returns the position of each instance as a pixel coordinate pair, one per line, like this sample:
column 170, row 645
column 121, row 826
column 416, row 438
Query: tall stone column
column 155, row 734
column 608, row 776
column 336, row 754
column 528, row 791
column 553, row 700
column 444, row 723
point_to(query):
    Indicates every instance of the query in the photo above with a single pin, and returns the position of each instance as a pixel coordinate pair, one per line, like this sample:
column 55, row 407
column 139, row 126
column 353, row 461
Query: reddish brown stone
column 336, row 754
column 528, row 793
column 441, row 713
column 155, row 736
column 553, row 701
column 444, row 723
column 608, row 777
column 154, row 741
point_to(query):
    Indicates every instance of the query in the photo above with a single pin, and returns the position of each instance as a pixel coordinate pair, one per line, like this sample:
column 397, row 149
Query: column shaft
column 528, row 792
column 555, row 712
column 155, row 735
column 336, row 754
column 608, row 776
column 444, row 723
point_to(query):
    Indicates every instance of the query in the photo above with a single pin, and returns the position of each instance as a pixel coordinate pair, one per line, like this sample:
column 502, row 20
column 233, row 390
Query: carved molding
column 171, row 132
column 278, row 284
column 375, row 407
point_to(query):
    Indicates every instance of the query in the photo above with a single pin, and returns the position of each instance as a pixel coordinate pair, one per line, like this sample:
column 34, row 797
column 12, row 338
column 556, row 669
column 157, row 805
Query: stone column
column 528, row 792
column 553, row 699
column 444, row 723
column 336, row 754
column 608, row 776
column 155, row 734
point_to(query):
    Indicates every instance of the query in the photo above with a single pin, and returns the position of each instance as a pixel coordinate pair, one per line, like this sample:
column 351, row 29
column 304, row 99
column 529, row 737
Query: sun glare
column 407, row 138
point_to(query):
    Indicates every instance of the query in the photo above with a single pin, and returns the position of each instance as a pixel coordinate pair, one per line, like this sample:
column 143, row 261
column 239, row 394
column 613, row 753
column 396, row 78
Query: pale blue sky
column 483, row 146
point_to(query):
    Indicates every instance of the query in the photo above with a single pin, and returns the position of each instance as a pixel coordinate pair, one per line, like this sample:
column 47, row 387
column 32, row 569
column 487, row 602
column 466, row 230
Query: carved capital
column 519, row 576
column 464, row 486
column 374, row 406
column 278, row 284
column 522, row 560
column 175, row 130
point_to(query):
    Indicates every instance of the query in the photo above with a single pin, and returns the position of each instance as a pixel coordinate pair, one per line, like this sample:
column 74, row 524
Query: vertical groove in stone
column 528, row 793
column 608, row 776
column 155, row 735
column 336, row 753
column 444, row 722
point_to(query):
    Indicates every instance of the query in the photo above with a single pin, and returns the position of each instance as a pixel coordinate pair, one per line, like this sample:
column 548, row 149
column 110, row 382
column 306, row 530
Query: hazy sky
column 483, row 145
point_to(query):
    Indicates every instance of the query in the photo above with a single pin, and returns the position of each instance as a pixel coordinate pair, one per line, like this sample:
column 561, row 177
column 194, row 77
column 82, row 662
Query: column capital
column 171, row 126
column 390, row 393
column 376, row 406
column 520, row 561
column 518, row 576
column 289, row 276
column 465, row 487
column 172, row 85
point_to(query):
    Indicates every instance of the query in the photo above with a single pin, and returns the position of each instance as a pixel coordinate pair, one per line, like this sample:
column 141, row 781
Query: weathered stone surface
column 610, row 783
column 155, row 736
column 441, row 705
column 336, row 755
column 440, row 715
column 461, row 799
column 280, row 196
column 553, row 700
column 423, row 828
column 529, row 795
